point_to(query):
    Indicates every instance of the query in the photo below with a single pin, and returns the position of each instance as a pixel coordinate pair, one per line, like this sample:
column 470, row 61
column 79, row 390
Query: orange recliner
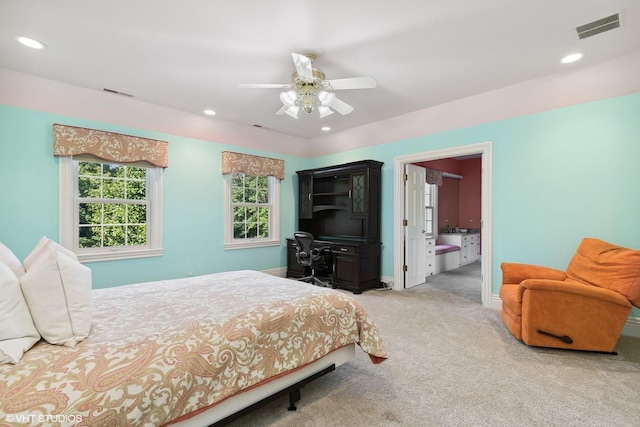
column 584, row 308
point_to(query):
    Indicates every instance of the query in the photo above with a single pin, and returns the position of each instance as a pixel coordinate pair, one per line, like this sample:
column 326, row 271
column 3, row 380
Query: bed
column 187, row 351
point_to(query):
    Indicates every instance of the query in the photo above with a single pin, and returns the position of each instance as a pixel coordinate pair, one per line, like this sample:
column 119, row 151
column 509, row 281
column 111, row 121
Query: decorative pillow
column 11, row 260
column 46, row 244
column 57, row 289
column 17, row 332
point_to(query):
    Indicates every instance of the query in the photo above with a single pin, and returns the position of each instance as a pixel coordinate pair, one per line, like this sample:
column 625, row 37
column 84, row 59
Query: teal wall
column 193, row 214
column 558, row 176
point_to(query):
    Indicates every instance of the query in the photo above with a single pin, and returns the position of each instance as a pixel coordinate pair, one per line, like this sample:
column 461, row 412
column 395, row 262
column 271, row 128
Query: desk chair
column 314, row 257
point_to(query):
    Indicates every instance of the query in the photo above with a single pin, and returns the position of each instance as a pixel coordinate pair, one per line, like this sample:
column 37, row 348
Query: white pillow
column 17, row 332
column 11, row 260
column 46, row 244
column 57, row 289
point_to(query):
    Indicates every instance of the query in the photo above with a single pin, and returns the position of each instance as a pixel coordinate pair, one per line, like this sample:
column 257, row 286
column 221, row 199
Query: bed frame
column 246, row 401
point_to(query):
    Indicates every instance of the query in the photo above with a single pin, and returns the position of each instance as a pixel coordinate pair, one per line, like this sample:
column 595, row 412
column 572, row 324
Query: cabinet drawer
column 343, row 249
column 431, row 266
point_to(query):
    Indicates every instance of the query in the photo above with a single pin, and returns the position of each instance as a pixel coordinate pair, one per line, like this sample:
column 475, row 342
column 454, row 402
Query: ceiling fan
column 308, row 88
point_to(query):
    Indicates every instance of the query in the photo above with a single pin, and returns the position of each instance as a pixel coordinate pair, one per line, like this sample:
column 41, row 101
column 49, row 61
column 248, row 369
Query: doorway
column 482, row 149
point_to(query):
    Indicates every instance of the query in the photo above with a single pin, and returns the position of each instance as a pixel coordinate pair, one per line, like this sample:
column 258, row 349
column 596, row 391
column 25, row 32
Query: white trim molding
column 274, row 218
column 68, row 217
column 632, row 327
column 484, row 149
column 278, row 271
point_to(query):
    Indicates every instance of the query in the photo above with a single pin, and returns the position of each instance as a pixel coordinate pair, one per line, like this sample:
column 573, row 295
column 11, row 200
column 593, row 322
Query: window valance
column 434, row 177
column 252, row 165
column 115, row 147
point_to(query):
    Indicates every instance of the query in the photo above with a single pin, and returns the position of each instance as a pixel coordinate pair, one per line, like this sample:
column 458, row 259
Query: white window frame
column 431, row 202
column 230, row 242
column 69, row 215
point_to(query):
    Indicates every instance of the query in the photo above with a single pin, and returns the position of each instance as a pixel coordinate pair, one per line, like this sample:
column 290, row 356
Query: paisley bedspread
column 161, row 350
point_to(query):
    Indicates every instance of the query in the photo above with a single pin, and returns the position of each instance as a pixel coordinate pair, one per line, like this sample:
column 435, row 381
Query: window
column 110, row 210
column 252, row 211
column 431, row 207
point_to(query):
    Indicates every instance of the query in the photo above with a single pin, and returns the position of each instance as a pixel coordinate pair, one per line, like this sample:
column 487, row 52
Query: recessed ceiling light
column 571, row 58
column 326, row 128
column 209, row 112
column 29, row 42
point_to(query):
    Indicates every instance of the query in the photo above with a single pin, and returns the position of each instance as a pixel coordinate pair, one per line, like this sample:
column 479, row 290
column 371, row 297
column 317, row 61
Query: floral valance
column 252, row 165
column 115, row 147
column 434, row 177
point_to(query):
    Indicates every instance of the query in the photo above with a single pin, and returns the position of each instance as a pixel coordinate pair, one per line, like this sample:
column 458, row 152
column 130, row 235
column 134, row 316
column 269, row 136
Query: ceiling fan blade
column 341, row 106
column 264, row 85
column 366, row 82
column 303, row 65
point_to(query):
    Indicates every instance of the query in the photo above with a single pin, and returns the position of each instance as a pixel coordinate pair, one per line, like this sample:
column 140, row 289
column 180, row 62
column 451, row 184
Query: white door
column 415, row 250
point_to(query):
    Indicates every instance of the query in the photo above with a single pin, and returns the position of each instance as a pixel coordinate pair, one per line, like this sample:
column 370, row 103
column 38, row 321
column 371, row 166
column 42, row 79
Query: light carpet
column 453, row 363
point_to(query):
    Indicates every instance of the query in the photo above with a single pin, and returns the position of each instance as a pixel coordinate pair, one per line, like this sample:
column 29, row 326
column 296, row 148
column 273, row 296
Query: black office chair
column 312, row 256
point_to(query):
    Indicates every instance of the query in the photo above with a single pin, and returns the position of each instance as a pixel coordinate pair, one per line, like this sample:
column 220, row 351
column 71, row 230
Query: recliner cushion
column 511, row 298
column 609, row 266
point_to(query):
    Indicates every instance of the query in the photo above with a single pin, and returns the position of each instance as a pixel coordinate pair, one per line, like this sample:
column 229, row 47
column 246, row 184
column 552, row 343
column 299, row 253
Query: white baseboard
column 631, row 328
column 282, row 272
column 388, row 281
column 495, row 303
column 278, row 271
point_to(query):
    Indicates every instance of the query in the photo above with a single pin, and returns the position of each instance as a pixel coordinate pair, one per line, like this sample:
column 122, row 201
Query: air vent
column 115, row 92
column 599, row 26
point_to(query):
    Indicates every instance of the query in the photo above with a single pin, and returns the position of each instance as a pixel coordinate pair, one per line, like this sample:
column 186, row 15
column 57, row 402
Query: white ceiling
column 191, row 54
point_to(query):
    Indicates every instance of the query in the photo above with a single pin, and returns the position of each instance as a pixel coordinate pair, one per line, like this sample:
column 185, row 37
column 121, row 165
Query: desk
column 355, row 265
column 340, row 206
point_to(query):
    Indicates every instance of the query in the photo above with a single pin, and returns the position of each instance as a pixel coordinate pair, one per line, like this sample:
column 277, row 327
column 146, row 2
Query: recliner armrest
column 587, row 291
column 514, row 273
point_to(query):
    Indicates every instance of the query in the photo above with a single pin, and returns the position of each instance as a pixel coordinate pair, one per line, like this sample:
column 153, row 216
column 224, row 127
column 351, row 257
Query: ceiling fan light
column 307, row 103
column 292, row 111
column 326, row 99
column 288, row 98
column 324, row 111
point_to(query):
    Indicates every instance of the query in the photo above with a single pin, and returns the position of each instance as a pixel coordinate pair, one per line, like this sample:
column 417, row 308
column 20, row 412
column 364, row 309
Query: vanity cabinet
column 431, row 257
column 474, row 247
column 468, row 243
